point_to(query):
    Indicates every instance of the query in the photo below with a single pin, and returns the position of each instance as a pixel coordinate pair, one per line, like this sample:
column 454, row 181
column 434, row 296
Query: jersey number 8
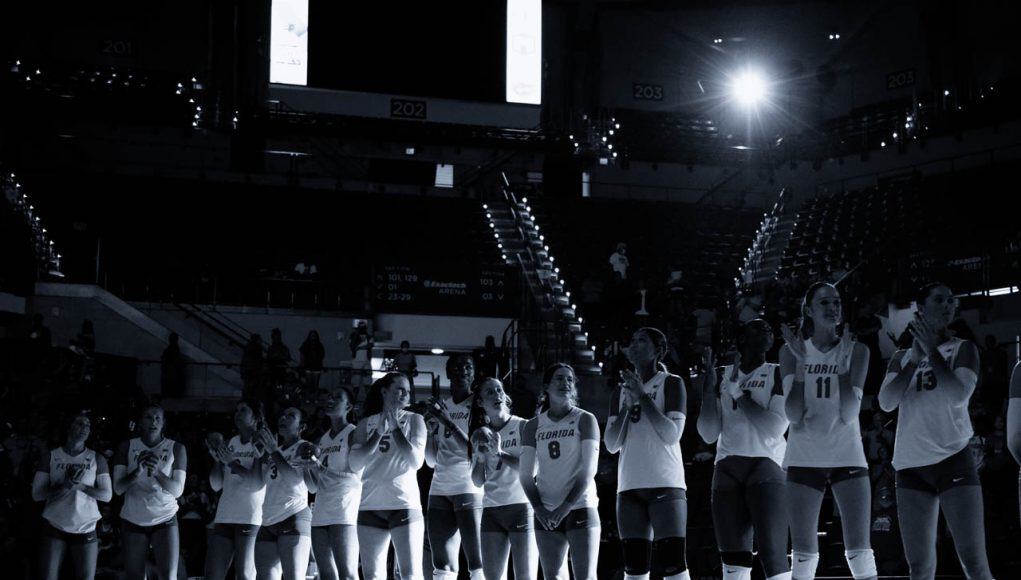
column 554, row 449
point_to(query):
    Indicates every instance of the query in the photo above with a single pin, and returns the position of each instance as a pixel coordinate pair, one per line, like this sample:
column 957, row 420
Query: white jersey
column 240, row 502
column 930, row 427
column 503, row 487
column 77, row 512
column 286, row 493
column 452, row 475
column 146, row 503
column 738, row 436
column 389, row 482
column 822, row 440
column 340, row 488
column 645, row 461
column 558, row 457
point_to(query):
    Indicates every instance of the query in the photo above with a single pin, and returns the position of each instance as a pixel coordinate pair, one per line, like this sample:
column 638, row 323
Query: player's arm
column 1014, row 414
column 616, row 425
column 794, row 385
column 669, row 423
column 960, row 380
column 710, row 418
column 364, row 445
column 102, row 489
column 122, row 478
column 898, row 376
column 766, row 420
column 174, row 483
column 852, row 384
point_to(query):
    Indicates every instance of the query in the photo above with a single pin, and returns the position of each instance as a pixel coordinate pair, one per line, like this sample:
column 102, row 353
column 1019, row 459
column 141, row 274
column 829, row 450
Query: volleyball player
column 645, row 424
column 455, row 502
column 824, row 374
column 71, row 479
column 389, row 443
column 149, row 471
column 557, row 472
column 507, row 517
column 930, row 384
column 744, row 414
column 284, row 541
column 338, row 493
column 1014, row 421
column 238, row 474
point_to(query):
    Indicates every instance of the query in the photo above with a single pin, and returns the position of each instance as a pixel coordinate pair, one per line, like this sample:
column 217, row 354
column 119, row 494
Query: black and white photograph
column 510, row 290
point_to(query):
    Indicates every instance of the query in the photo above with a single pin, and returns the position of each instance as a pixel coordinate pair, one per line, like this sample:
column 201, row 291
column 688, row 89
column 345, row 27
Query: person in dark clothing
column 312, row 353
column 278, row 356
column 172, row 368
column 488, row 359
column 252, row 363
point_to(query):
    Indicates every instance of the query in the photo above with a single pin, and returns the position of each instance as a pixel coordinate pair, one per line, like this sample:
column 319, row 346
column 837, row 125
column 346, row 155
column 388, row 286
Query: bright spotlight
column 748, row 87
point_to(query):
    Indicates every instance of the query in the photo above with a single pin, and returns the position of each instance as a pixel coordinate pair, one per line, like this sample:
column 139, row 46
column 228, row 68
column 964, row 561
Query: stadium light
column 748, row 87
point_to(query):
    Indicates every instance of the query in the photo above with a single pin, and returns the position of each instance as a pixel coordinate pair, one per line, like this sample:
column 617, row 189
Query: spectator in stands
column 881, row 472
column 619, row 262
column 886, row 541
column 278, row 357
column 252, row 363
column 674, row 281
column 85, row 342
column 311, row 353
column 876, row 436
column 705, row 321
column 172, row 368
column 488, row 359
column 406, row 363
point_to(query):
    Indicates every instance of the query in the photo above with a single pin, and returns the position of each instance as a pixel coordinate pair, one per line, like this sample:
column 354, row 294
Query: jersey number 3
column 926, row 380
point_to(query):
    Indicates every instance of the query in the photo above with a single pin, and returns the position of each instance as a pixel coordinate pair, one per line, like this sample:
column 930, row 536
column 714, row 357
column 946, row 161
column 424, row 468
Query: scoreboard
column 441, row 289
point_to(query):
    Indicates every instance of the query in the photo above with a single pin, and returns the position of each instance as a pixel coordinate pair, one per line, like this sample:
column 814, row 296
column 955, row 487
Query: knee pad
column 477, row 574
column 803, row 565
column 862, row 563
column 439, row 574
column 637, row 557
column 737, row 565
column 780, row 576
column 671, row 560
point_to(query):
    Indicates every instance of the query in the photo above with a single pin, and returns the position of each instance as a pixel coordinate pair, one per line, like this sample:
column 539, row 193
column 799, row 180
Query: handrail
column 232, row 336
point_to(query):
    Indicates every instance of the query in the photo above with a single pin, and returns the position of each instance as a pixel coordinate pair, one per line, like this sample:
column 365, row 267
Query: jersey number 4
column 822, row 387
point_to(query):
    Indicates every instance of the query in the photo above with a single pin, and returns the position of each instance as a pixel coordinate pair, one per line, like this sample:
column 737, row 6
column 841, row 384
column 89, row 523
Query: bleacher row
column 940, row 218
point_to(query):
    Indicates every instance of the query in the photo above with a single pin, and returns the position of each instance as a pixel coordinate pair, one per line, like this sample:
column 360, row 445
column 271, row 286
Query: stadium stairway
column 551, row 323
column 124, row 330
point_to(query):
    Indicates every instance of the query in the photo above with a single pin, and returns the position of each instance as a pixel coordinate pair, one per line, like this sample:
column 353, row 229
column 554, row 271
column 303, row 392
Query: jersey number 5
column 384, row 444
column 554, row 449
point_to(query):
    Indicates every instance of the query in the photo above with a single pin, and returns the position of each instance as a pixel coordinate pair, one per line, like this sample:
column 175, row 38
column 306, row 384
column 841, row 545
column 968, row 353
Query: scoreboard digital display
column 489, row 51
column 487, row 291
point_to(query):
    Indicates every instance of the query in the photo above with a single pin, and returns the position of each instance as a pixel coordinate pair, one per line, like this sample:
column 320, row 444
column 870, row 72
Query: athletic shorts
column 67, row 537
column 389, row 519
column 148, row 530
column 300, row 524
column 579, row 519
column 455, row 503
column 512, row 518
column 818, row 477
column 954, row 471
column 230, row 531
column 736, row 472
column 641, row 498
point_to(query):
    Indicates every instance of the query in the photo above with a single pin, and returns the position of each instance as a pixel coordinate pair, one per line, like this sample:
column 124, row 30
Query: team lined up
column 525, row 488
